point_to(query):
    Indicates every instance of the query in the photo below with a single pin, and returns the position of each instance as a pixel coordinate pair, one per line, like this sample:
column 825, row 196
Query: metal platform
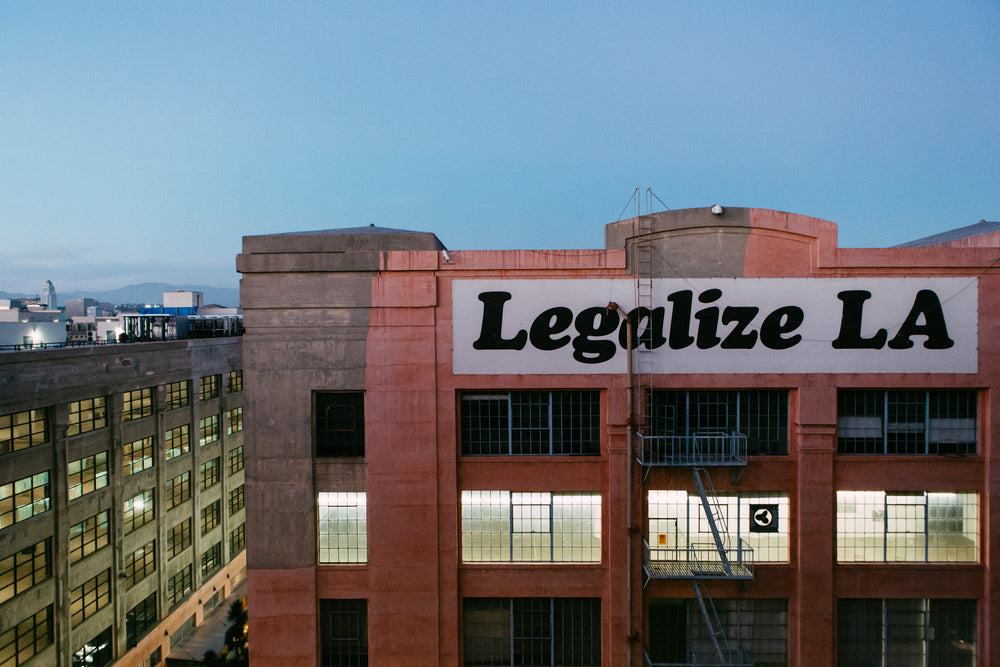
column 700, row 561
column 706, row 448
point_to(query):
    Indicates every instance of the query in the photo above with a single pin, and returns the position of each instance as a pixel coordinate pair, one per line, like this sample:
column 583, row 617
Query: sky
column 141, row 141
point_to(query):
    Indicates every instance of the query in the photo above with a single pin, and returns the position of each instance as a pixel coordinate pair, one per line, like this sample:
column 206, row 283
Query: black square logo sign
column 763, row 518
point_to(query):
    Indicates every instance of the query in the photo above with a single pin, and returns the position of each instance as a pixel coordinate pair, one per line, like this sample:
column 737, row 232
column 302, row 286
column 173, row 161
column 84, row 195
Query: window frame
column 339, row 424
column 24, row 429
column 137, row 404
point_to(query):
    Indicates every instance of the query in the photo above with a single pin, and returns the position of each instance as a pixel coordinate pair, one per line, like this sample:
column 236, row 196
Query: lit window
column 137, row 404
column 24, row 498
column 22, row 430
column 140, row 563
column 208, row 387
column 234, row 420
column 24, row 569
column 343, row 528
column 210, row 473
column 208, row 429
column 137, row 456
column 24, row 640
column 90, row 597
column 88, row 536
column 178, row 442
column 234, row 381
column 211, row 515
column 87, row 474
column 138, row 510
column 88, row 415
column 177, row 395
column 235, row 460
column 178, row 490
column 179, row 538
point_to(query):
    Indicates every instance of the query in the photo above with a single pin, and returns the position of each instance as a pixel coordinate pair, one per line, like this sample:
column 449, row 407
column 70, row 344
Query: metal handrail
column 698, row 561
column 702, row 448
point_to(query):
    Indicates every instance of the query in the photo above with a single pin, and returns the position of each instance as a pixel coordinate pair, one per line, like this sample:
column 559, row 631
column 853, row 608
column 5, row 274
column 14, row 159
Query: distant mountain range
column 148, row 293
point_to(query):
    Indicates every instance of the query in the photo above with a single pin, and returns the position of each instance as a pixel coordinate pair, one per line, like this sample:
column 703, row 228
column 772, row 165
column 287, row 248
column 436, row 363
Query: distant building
column 48, row 297
column 79, row 307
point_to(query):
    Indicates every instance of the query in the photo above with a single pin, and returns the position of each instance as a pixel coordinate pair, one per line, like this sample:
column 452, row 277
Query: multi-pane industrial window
column 340, row 423
column 512, row 527
column 23, row 641
column 679, row 529
column 177, row 442
column 756, row 627
column 139, row 620
column 90, row 597
column 531, row 631
column 138, row 510
column 236, row 500
column 23, row 570
column 234, row 381
column 24, row 498
column 209, row 471
column 761, row 416
column 137, row 456
column 208, row 387
column 343, row 527
column 87, row 474
column 208, row 429
column 179, row 538
column 210, row 516
column 518, row 423
column 140, row 563
column 178, row 586
column 88, row 536
column 211, row 560
column 96, row 652
column 21, row 430
column 235, row 460
column 137, row 404
column 887, row 526
column 177, row 395
column 237, row 539
column 87, row 415
column 343, row 633
column 178, row 490
column 923, row 633
column 907, row 422
column 234, row 420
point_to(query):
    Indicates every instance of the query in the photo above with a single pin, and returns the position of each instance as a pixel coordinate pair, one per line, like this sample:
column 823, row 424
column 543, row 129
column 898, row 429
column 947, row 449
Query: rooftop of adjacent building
column 983, row 234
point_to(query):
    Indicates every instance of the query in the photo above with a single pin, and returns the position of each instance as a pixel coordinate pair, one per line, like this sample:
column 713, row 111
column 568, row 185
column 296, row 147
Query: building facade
column 121, row 498
column 722, row 439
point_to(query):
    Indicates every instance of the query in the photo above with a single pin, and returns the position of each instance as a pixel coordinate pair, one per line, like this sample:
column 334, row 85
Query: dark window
column 211, row 560
column 140, row 563
column 178, row 490
column 759, row 415
column 907, row 422
column 139, row 620
column 178, row 586
column 516, row 423
column 340, row 423
column 532, row 631
column 98, row 652
column 179, row 538
column 344, row 633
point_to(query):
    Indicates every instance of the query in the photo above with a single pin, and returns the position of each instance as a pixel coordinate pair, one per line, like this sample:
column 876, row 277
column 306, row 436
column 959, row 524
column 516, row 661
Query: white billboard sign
column 750, row 325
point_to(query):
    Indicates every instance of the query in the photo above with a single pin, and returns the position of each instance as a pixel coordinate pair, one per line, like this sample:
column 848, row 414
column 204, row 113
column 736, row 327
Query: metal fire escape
column 659, row 445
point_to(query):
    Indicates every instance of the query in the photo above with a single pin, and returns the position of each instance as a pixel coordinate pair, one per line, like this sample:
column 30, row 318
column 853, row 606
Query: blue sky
column 141, row 141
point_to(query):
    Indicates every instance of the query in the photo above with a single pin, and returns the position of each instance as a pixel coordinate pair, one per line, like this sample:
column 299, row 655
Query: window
column 237, row 539
column 208, row 388
column 211, row 560
column 343, row 633
column 340, row 423
column 24, row 569
column 532, row 631
column 137, row 456
column 178, row 395
column 236, row 500
column 234, row 421
column 759, row 417
column 140, row 563
column 25, row 640
column 179, row 538
column 98, row 652
column 90, row 597
column 88, row 536
column 210, row 473
column 511, row 527
column 886, row 526
column 178, row 586
column 906, row 632
column 22, row 430
column 235, row 460
column 139, row 620
column 178, row 442
column 343, row 528
column 137, row 404
column 754, row 627
column 679, row 529
column 209, row 429
column 87, row 474
column 514, row 423
column 210, row 516
column 907, row 422
column 138, row 510
column 234, row 381
column 178, row 490
column 23, row 499
column 87, row 415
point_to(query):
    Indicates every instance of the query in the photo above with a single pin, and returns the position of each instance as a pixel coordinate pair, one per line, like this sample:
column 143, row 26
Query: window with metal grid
column 178, row 490
column 208, row 387
column 178, row 586
column 87, row 415
column 21, row 430
column 339, row 423
column 234, row 420
column 208, row 430
column 237, row 539
column 137, row 404
column 531, row 631
column 87, row 474
column 179, row 538
column 24, row 640
column 90, row 597
column 178, row 395
column 343, row 633
column 237, row 499
column 22, row 570
column 343, row 527
column 138, row 510
column 88, row 536
column 211, row 515
column 759, row 414
column 177, row 442
column 137, row 456
column 519, row 423
column 907, row 422
column 24, row 498
column 140, row 563
column 234, row 381
column 139, row 620
column 211, row 560
column 210, row 473
column 235, row 460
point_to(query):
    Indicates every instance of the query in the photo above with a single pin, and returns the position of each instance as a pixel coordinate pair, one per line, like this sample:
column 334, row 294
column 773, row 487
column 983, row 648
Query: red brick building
column 723, row 439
